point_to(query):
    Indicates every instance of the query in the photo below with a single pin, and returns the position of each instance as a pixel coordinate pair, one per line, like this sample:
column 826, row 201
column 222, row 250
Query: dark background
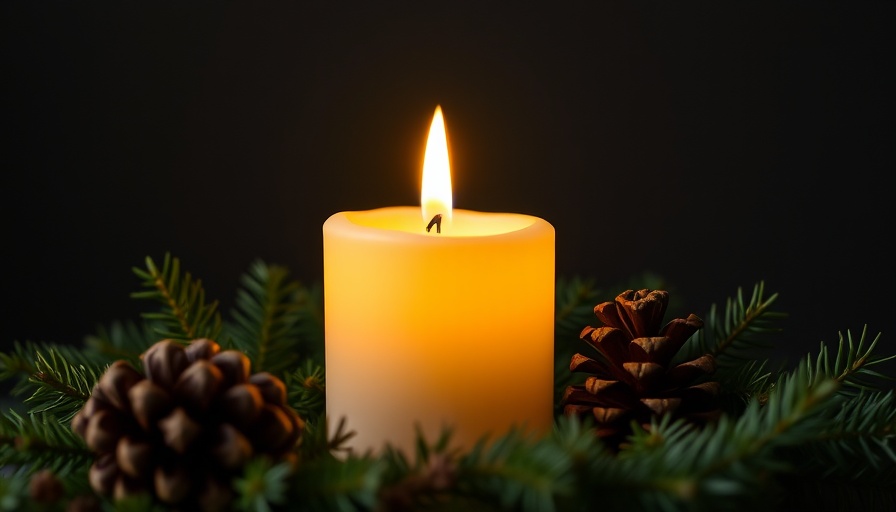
column 714, row 145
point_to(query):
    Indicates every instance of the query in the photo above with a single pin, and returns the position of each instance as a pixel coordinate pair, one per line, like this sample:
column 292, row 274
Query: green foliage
column 121, row 340
column 269, row 322
column 263, row 485
column 516, row 472
column 574, row 306
column 343, row 485
column 58, row 379
column 14, row 493
column 821, row 433
column 305, row 387
column 744, row 330
column 853, row 364
column 184, row 314
column 37, row 441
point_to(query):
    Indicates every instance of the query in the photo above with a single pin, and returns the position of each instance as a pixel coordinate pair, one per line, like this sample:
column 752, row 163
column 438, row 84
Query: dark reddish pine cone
column 632, row 377
column 184, row 426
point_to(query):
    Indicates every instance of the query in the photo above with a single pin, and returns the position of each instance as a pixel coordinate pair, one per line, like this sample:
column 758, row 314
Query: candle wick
column 437, row 221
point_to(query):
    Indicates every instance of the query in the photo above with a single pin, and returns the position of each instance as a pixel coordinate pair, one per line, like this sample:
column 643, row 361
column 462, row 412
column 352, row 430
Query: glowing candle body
column 438, row 330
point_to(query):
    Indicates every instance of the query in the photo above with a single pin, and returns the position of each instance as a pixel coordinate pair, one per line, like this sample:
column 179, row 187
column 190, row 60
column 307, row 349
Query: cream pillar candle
column 451, row 327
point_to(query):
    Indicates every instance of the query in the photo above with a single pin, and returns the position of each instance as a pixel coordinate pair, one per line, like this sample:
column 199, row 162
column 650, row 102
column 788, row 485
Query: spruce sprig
column 61, row 387
column 267, row 320
column 851, row 459
column 573, row 309
column 121, row 340
column 57, row 379
column 327, row 484
column 184, row 313
column 864, row 425
column 40, row 441
column 306, row 389
column 516, row 472
column 575, row 298
column 729, row 464
column 853, row 363
column 825, row 425
column 263, row 486
column 317, row 440
column 737, row 336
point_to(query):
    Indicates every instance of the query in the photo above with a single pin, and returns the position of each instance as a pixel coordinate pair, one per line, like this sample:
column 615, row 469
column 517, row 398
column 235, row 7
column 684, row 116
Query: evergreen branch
column 856, row 446
column 575, row 299
column 56, row 374
column 732, row 463
column 327, row 484
column 574, row 306
column 314, row 438
column 337, row 442
column 20, row 361
column 184, row 313
column 268, row 318
column 38, row 442
column 121, row 340
column 424, row 484
column 263, row 485
column 306, row 389
column 735, row 337
column 852, row 366
column 517, row 472
column 55, row 384
column 14, row 494
column 311, row 325
column 751, row 379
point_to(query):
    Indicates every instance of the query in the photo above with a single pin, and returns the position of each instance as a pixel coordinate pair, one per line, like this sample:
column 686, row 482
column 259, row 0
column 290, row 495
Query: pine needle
column 745, row 329
column 271, row 318
column 57, row 379
column 183, row 314
column 121, row 340
column 38, row 441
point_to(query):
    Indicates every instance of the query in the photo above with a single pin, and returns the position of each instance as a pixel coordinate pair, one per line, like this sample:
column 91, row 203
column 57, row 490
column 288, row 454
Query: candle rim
column 522, row 224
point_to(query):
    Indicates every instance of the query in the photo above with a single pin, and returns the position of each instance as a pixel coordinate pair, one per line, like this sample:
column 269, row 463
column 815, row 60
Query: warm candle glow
column 416, row 319
column 435, row 192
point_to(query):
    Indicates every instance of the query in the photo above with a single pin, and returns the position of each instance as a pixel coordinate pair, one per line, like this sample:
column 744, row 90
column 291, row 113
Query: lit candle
column 446, row 327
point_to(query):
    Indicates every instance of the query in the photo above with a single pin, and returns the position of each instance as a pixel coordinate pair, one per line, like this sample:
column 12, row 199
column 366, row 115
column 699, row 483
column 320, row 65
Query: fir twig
column 53, row 382
column 516, row 472
column 574, row 309
column 751, row 380
column 425, row 483
column 184, row 313
column 306, row 388
column 745, row 328
column 267, row 321
column 327, row 484
column 853, row 363
column 731, row 464
column 40, row 441
column 121, row 340
column 574, row 306
column 263, row 486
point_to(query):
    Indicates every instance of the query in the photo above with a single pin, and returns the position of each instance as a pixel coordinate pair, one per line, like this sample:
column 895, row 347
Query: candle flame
column 435, row 193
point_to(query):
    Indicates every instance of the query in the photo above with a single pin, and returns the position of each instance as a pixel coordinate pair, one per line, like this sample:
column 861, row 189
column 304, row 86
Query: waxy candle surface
column 438, row 330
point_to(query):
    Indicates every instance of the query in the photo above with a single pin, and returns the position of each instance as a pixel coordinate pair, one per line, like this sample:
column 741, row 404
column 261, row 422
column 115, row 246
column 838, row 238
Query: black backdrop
column 714, row 145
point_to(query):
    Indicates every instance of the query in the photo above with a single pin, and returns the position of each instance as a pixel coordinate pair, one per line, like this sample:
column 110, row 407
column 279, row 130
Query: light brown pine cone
column 632, row 376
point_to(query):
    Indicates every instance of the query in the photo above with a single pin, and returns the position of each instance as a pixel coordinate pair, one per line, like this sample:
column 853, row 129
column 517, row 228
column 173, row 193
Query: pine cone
column 633, row 378
column 182, row 428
